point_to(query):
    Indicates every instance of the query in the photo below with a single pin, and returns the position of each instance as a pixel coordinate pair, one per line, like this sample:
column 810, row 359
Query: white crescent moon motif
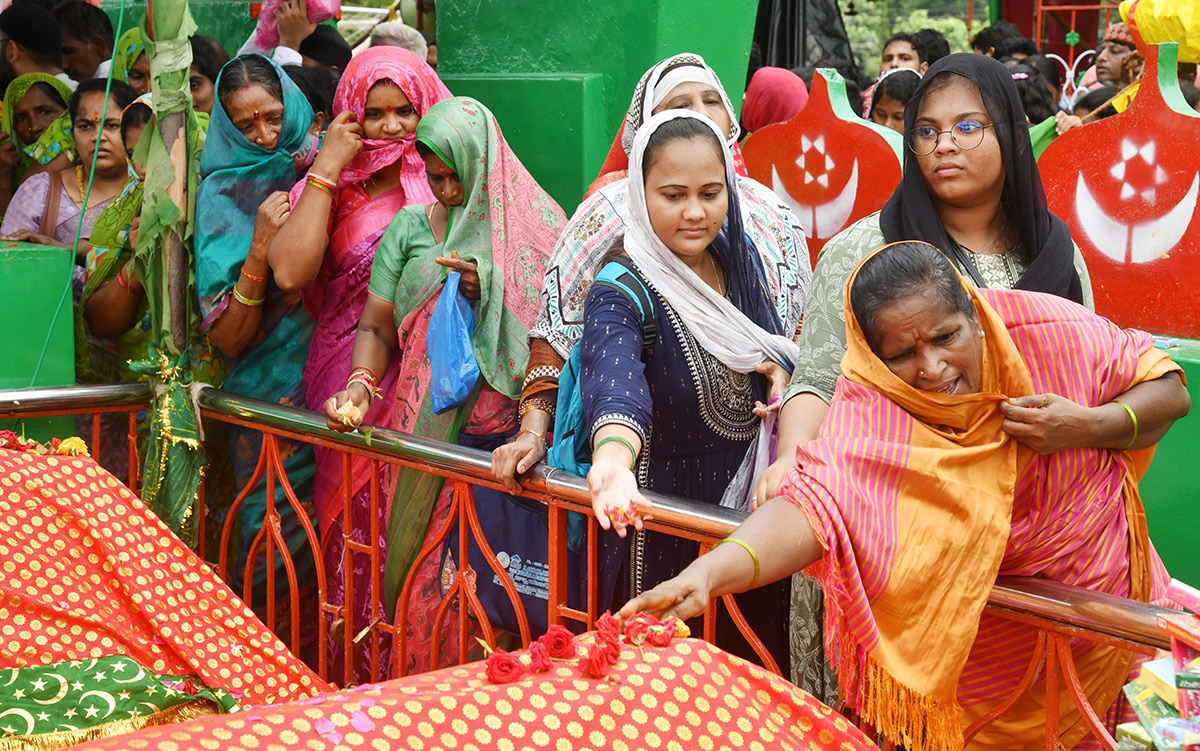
column 12, row 676
column 23, row 715
column 828, row 219
column 62, row 690
column 112, row 703
column 1140, row 243
column 140, row 675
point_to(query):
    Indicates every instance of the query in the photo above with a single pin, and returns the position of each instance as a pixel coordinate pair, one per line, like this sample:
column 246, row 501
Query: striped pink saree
column 921, row 500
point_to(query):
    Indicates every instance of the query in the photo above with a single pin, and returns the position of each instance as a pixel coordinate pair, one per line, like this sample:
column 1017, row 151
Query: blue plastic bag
column 452, row 365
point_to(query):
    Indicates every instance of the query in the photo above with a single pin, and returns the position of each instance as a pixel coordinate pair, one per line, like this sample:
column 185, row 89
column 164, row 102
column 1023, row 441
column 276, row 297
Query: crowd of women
column 901, row 419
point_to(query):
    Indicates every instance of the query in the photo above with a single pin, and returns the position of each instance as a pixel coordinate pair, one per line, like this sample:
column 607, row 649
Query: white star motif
column 123, row 694
column 135, row 713
column 151, row 691
column 100, row 676
column 120, row 666
column 19, row 693
column 70, row 712
column 77, row 685
column 42, row 716
column 8, row 729
column 92, row 711
column 38, row 685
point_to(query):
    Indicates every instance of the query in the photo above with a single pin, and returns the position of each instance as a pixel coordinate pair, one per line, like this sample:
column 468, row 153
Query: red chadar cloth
column 688, row 695
column 88, row 571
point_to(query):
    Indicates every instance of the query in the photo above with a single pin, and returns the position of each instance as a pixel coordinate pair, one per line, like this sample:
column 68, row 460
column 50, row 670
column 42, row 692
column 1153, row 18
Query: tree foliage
column 870, row 22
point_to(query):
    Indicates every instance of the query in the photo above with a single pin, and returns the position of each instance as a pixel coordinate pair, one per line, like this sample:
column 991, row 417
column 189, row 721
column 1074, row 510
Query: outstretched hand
column 684, row 597
column 616, row 500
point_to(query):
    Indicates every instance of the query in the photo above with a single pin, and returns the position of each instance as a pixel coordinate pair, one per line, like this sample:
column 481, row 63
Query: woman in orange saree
column 974, row 433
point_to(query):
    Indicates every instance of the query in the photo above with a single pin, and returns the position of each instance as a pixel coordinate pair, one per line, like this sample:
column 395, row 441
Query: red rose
column 503, row 667
column 608, row 628
column 8, row 439
column 638, row 627
column 559, row 642
column 596, row 664
column 661, row 635
column 539, row 658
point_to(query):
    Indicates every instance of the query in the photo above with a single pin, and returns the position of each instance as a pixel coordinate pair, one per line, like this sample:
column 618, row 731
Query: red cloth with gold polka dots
column 689, row 695
column 88, row 571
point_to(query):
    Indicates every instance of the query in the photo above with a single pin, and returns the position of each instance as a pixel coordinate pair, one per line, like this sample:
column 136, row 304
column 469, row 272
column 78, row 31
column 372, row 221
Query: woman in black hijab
column 971, row 188
column 928, row 204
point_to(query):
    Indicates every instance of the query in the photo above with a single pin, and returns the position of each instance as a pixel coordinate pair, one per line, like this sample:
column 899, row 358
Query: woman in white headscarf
column 682, row 82
column 681, row 414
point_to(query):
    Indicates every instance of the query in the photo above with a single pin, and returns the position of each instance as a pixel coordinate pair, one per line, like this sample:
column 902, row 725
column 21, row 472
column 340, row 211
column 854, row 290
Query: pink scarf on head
column 422, row 87
column 775, row 95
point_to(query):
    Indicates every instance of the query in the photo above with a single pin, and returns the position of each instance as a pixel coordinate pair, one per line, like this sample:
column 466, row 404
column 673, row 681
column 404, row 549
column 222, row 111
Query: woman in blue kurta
column 682, row 417
column 258, row 143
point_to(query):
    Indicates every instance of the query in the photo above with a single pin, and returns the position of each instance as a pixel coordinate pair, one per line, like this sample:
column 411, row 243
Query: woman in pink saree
column 366, row 171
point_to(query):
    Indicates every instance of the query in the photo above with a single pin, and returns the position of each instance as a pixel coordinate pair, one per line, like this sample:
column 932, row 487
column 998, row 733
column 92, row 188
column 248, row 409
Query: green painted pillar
column 559, row 74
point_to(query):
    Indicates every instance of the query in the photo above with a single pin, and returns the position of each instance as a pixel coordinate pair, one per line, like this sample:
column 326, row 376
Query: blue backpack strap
column 621, row 275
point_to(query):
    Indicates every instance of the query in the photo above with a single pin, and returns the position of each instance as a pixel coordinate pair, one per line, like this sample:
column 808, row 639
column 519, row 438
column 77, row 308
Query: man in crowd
column 900, row 51
column 30, row 42
column 87, row 40
column 1116, row 47
column 987, row 40
column 931, row 45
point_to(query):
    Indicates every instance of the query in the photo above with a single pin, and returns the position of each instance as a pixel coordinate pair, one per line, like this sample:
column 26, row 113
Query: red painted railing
column 1059, row 613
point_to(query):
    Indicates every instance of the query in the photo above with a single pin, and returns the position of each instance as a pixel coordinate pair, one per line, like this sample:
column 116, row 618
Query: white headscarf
column 660, row 81
column 716, row 323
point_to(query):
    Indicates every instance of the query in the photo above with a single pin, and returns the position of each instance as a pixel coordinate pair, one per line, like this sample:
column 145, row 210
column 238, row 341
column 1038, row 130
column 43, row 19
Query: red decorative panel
column 826, row 163
column 1128, row 188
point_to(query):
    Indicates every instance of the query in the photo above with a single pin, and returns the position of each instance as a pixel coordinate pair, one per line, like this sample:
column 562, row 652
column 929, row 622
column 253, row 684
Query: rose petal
column 324, row 726
column 361, row 722
column 334, row 738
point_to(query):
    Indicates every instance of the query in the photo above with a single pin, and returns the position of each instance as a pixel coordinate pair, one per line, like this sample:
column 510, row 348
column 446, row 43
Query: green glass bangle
column 749, row 550
column 1133, row 417
column 620, row 440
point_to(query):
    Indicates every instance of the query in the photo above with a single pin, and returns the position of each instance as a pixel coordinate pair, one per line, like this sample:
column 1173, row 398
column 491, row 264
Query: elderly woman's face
column 257, row 114
column 700, row 98
column 957, row 177
column 930, row 346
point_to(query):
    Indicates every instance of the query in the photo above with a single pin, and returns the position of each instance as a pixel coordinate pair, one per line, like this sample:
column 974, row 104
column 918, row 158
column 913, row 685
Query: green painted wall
column 559, row 74
column 227, row 21
column 1170, row 490
column 38, row 346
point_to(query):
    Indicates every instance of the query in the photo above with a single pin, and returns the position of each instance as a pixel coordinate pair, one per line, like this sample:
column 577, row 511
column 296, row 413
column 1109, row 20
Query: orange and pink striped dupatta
column 920, row 500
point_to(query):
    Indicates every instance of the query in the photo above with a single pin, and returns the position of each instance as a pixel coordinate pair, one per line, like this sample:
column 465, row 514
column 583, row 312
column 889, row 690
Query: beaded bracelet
column 1133, row 417
column 246, row 300
column 252, row 277
column 749, row 550
column 533, row 403
column 620, row 440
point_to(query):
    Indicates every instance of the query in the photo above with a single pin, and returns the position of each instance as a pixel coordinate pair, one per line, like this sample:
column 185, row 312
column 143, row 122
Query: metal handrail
column 1072, row 607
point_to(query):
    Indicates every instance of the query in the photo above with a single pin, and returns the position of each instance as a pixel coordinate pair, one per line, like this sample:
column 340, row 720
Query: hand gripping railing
column 1058, row 612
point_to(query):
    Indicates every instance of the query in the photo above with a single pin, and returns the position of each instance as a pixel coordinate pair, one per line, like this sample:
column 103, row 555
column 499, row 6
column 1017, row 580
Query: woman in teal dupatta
column 257, row 145
column 502, row 226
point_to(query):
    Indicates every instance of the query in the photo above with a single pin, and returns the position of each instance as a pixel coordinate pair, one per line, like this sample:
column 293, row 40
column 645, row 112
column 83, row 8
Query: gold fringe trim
column 63, row 738
column 903, row 715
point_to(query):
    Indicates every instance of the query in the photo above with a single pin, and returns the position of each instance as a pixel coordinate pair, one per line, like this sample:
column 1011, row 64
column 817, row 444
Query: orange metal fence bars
column 1060, row 613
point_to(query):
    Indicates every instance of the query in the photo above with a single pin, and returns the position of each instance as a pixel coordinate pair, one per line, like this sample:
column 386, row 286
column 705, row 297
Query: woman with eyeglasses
column 971, row 187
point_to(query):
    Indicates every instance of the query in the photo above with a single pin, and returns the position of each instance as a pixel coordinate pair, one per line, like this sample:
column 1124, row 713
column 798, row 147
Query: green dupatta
column 508, row 225
column 55, row 140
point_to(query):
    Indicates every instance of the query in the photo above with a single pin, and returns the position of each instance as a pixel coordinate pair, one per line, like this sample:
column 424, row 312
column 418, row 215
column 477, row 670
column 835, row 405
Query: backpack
column 572, row 440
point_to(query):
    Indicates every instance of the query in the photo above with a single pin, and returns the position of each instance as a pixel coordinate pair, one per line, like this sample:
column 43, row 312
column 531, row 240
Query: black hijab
column 910, row 214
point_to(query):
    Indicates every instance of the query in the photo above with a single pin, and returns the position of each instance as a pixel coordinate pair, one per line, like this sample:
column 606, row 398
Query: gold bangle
column 246, row 300
column 1133, row 417
column 535, row 434
column 749, row 550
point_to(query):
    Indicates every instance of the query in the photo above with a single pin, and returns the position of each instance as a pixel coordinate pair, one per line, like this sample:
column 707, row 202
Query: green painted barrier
column 559, row 75
column 227, row 21
column 38, row 346
column 1171, row 488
